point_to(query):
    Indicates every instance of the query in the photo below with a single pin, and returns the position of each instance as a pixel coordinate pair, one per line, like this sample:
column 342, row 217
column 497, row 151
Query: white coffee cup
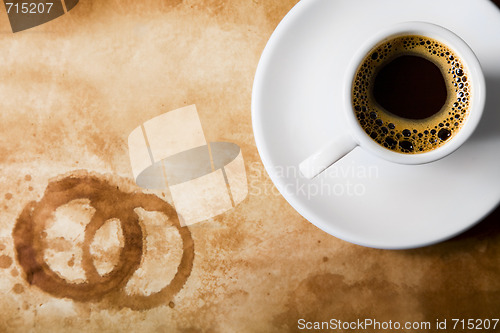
column 340, row 146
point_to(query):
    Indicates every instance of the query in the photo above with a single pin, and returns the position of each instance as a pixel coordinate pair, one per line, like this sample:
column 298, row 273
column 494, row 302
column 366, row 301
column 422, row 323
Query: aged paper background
column 72, row 90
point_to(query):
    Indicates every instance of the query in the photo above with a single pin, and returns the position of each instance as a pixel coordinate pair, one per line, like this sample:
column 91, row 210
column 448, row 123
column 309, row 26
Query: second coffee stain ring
column 117, row 297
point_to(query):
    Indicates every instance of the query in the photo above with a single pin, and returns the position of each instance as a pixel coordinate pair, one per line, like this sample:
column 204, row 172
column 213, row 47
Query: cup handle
column 327, row 155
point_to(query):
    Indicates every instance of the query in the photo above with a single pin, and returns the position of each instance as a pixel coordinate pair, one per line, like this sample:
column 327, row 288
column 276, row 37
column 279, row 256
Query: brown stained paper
column 71, row 92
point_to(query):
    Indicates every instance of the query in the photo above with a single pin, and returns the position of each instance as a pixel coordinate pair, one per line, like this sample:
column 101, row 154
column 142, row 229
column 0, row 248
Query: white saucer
column 296, row 93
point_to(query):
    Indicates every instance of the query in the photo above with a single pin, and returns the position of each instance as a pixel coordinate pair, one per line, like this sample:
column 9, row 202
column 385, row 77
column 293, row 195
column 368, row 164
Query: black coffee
column 410, row 87
column 411, row 94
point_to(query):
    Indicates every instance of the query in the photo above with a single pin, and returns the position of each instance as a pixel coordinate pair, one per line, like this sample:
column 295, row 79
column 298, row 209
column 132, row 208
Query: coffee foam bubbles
column 411, row 135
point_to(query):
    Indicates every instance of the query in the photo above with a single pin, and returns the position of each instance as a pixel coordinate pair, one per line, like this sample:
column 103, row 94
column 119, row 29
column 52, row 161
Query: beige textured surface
column 73, row 89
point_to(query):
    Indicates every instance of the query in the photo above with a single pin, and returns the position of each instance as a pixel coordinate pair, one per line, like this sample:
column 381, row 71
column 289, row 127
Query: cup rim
column 478, row 91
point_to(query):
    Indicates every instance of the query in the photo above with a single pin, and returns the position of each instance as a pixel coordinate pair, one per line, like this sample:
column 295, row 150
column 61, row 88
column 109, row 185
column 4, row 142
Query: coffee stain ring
column 121, row 299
